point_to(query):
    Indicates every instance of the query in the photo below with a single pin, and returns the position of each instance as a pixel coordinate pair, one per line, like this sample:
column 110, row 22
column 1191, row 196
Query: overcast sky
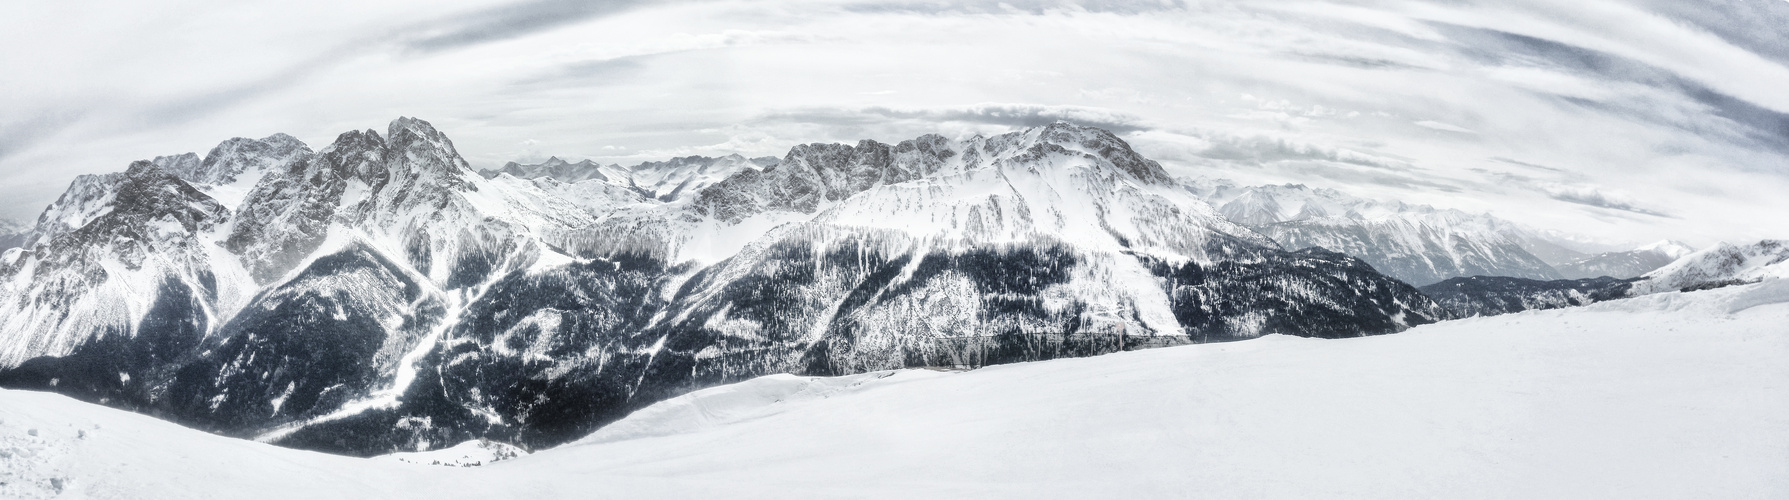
column 1630, row 120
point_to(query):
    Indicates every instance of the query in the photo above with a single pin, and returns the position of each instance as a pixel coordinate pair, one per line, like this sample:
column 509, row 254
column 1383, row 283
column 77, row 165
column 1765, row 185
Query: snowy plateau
column 1044, row 312
column 1670, row 395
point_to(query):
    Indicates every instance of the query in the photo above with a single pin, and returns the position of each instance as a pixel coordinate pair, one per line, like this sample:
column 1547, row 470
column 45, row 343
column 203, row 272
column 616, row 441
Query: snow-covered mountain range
column 378, row 295
column 1419, row 244
column 686, row 176
column 1719, row 266
column 662, row 180
column 1626, row 264
column 563, row 171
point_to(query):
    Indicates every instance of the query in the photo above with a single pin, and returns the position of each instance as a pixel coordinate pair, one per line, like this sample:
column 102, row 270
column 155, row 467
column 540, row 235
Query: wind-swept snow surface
column 1671, row 395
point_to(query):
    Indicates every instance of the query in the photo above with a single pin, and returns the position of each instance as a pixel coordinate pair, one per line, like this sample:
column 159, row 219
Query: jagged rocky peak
column 814, row 174
column 148, row 212
column 409, row 193
column 287, row 216
column 104, row 229
column 92, row 196
column 1107, row 146
column 355, row 154
column 141, row 201
column 136, row 267
column 419, row 150
column 186, row 165
column 87, row 197
column 234, row 157
column 410, row 150
column 153, row 192
column 841, row 170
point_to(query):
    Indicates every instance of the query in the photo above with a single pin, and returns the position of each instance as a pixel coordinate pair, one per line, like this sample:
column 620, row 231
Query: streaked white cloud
column 1607, row 110
column 1445, row 127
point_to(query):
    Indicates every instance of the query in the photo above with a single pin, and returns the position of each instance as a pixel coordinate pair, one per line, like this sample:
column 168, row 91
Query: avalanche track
column 1672, row 395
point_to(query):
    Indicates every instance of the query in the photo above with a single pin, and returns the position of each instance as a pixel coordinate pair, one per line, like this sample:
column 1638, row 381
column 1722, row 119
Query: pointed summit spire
column 413, row 125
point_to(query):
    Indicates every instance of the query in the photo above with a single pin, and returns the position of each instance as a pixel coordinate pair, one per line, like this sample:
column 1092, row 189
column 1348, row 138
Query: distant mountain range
column 1717, row 266
column 378, row 295
column 662, row 180
column 1420, row 244
column 1415, row 243
column 1626, row 264
column 1714, row 267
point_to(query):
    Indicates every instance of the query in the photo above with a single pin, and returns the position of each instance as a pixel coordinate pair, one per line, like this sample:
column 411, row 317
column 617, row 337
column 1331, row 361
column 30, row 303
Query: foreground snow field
column 1671, row 395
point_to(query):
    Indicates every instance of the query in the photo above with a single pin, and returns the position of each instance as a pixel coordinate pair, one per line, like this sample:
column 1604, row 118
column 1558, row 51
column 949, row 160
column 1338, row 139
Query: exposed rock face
column 815, row 174
column 378, row 295
column 288, row 214
column 115, row 256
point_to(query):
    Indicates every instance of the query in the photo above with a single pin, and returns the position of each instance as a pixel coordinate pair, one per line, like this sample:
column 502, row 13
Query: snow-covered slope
column 1627, row 264
column 682, row 177
column 135, row 254
column 598, row 198
column 474, row 453
column 1720, row 265
column 1416, row 243
column 119, row 256
column 1681, row 399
